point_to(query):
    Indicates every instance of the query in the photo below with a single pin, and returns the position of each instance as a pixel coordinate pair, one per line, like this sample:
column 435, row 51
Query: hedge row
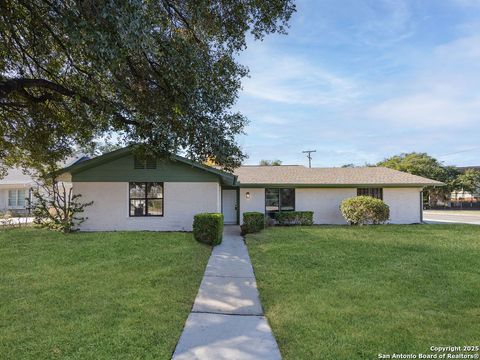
column 208, row 228
column 289, row 218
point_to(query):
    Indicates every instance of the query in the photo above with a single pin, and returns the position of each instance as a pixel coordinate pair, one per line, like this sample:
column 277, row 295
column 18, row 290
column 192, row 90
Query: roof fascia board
column 336, row 185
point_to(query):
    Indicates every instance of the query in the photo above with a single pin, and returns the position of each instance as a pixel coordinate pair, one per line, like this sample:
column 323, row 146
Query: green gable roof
column 119, row 166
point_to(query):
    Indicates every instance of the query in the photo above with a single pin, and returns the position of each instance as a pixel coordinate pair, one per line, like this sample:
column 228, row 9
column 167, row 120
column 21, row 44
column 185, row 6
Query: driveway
column 452, row 216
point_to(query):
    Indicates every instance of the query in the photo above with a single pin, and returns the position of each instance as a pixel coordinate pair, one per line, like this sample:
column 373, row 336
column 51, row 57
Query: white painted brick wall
column 182, row 201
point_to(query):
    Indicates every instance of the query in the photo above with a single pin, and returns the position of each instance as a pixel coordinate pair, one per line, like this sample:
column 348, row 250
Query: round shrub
column 208, row 228
column 362, row 210
column 252, row 222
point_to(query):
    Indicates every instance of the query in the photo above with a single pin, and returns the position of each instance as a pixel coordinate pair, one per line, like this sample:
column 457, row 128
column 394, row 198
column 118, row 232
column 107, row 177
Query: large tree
column 162, row 73
column 422, row 164
column 469, row 181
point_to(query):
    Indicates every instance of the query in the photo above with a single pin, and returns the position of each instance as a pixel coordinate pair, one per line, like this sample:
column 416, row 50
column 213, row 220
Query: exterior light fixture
column 247, row 195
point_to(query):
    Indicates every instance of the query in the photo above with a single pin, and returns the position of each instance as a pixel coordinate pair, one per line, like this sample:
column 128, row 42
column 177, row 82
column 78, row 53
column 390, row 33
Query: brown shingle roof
column 300, row 175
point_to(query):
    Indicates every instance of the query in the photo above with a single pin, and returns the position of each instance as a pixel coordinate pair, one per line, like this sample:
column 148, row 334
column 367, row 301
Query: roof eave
column 309, row 185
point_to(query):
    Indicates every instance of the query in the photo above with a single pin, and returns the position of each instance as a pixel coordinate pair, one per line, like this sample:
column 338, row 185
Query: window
column 146, row 199
column 279, row 200
column 148, row 162
column 16, row 198
column 373, row 192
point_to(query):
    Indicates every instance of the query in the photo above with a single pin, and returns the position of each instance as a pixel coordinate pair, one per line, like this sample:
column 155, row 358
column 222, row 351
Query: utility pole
column 309, row 156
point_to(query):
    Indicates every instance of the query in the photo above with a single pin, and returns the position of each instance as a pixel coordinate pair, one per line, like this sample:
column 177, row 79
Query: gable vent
column 148, row 163
column 151, row 162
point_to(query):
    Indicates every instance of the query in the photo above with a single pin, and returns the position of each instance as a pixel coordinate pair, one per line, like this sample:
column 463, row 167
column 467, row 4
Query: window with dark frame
column 278, row 200
column 145, row 199
column 373, row 192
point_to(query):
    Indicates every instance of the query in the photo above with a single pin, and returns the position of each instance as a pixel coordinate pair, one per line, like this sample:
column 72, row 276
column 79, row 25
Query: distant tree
column 210, row 162
column 422, row 164
column 164, row 73
column 270, row 162
column 348, row 165
column 469, row 181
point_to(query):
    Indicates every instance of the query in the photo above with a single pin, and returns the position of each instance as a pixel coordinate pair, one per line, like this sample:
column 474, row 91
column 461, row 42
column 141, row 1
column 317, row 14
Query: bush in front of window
column 364, row 210
column 292, row 218
column 208, row 228
column 253, row 222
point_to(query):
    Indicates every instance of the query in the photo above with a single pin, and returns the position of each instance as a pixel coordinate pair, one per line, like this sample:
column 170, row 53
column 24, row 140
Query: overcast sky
column 361, row 80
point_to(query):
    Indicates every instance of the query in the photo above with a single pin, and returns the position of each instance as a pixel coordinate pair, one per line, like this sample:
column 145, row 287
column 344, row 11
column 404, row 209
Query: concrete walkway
column 227, row 319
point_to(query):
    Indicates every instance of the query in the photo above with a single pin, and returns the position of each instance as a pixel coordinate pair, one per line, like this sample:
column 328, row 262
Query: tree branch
column 20, row 85
column 183, row 19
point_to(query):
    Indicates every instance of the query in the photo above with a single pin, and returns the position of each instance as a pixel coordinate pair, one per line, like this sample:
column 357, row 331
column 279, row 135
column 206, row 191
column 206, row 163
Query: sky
column 362, row 80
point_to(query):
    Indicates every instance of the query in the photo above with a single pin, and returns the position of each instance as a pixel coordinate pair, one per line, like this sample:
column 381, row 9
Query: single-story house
column 129, row 193
column 16, row 188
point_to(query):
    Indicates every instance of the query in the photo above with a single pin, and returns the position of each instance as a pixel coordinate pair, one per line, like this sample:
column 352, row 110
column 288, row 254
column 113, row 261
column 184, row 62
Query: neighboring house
column 161, row 194
column 16, row 188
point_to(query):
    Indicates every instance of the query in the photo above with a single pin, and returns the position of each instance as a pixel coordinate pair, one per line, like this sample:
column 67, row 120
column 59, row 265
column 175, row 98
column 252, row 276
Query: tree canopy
column 162, row 73
column 270, row 162
column 469, row 181
column 422, row 164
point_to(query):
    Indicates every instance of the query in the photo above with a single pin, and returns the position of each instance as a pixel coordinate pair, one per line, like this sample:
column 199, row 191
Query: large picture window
column 277, row 200
column 373, row 192
column 146, row 199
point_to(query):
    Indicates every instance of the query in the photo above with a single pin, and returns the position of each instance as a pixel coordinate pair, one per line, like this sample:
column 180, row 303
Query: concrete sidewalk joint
column 227, row 319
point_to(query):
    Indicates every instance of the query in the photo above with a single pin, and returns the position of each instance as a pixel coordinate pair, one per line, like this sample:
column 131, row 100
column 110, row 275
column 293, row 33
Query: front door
column 229, row 206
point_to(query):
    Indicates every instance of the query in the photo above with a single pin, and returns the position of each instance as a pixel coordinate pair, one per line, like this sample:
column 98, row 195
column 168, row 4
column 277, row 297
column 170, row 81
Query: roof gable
column 119, row 166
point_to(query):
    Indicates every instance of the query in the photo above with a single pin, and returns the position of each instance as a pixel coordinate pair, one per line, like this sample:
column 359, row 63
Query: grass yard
column 339, row 292
column 118, row 295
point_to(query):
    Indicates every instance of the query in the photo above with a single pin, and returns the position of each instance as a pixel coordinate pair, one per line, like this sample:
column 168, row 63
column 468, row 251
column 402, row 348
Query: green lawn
column 123, row 295
column 354, row 292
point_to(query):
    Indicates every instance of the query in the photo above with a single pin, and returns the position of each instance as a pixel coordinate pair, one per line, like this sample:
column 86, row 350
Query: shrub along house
column 129, row 193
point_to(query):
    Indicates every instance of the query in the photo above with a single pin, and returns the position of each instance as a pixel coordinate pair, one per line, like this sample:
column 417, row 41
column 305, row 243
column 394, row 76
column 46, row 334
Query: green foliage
column 362, row 210
column 469, row 180
column 422, row 164
column 304, row 218
column 270, row 163
column 56, row 208
column 252, row 222
column 97, row 148
column 163, row 73
column 208, row 228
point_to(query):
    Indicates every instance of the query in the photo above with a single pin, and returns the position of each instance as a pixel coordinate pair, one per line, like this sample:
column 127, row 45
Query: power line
column 309, row 156
column 461, row 151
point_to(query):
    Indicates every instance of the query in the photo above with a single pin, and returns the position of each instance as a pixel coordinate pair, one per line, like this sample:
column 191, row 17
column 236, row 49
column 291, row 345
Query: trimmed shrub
column 289, row 218
column 362, row 210
column 208, row 228
column 252, row 222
